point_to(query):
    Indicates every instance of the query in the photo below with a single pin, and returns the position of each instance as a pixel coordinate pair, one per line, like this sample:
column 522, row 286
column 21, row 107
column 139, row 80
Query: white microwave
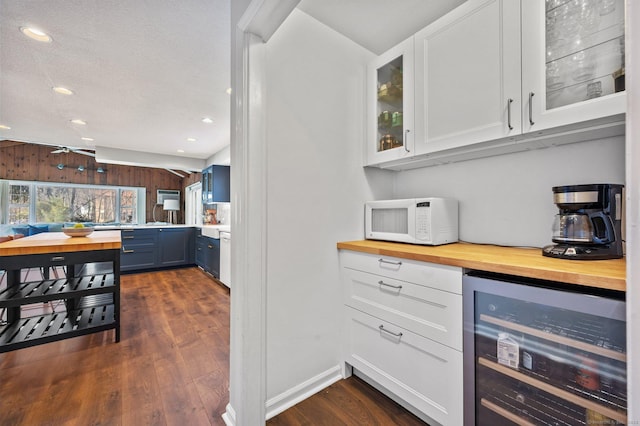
column 428, row 221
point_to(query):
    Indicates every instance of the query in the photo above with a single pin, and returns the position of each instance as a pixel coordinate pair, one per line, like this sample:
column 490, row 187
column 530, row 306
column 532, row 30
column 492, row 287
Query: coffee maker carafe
column 588, row 225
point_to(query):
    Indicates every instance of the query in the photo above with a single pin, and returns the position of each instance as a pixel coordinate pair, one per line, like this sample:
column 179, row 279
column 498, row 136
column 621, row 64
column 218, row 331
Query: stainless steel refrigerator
column 536, row 353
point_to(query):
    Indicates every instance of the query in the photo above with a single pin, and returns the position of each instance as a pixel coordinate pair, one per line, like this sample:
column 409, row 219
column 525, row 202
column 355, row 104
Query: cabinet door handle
column 128, row 237
column 126, row 230
column 404, row 141
column 509, row 102
column 398, row 335
column 390, row 262
column 397, row 287
column 127, row 251
column 531, row 108
column 57, row 258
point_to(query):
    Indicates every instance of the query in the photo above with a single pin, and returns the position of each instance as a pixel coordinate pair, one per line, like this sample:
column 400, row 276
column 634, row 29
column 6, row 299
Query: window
column 19, row 204
column 40, row 202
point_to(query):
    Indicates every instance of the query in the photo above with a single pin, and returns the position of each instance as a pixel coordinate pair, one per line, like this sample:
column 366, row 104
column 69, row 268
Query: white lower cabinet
column 404, row 330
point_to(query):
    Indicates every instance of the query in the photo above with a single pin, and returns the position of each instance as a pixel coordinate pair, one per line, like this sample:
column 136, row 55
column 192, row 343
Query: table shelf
column 47, row 328
column 56, row 289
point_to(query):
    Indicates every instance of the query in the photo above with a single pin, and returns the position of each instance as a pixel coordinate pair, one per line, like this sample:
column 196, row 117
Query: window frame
column 139, row 205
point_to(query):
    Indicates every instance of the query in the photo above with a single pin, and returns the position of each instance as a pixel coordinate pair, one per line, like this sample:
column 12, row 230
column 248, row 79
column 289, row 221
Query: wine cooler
column 537, row 354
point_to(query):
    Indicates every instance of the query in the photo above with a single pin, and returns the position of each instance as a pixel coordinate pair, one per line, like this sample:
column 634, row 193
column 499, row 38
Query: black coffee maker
column 589, row 224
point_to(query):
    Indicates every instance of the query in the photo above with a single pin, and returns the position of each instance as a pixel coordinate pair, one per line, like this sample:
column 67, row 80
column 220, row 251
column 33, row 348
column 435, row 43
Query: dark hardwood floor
column 171, row 367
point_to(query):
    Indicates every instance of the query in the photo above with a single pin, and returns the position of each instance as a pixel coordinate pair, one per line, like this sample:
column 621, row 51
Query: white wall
column 508, row 199
column 316, row 188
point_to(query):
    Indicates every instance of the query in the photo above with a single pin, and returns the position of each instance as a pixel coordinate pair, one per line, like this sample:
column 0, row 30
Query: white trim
column 247, row 373
column 632, row 186
column 304, row 390
column 229, row 416
column 264, row 17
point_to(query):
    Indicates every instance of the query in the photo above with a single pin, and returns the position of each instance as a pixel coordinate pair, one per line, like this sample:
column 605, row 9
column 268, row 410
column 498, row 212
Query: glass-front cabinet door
column 572, row 62
column 390, row 87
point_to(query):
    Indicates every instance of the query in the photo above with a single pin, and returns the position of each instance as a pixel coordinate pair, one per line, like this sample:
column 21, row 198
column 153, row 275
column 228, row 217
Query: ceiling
column 377, row 24
column 144, row 74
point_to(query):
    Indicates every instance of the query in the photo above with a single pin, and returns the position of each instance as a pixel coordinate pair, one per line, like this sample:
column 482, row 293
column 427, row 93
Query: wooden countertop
column 524, row 262
column 55, row 242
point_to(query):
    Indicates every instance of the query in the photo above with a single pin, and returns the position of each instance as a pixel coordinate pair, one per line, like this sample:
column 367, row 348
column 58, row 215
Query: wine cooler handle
column 397, row 287
column 398, row 335
column 404, row 142
column 509, row 102
column 531, row 108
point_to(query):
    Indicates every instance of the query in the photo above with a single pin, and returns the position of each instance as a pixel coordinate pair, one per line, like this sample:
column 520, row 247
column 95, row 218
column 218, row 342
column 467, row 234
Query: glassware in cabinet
column 389, row 105
column 584, row 41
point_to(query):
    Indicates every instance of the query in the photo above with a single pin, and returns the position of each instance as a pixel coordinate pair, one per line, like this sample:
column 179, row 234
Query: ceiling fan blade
column 79, row 151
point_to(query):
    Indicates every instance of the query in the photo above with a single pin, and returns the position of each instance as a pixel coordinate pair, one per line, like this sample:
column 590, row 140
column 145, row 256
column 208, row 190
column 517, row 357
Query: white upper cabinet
column 390, row 115
column 468, row 76
column 572, row 52
column 498, row 76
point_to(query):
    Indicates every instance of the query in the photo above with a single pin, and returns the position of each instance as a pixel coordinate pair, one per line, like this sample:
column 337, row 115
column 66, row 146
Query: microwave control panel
column 423, row 220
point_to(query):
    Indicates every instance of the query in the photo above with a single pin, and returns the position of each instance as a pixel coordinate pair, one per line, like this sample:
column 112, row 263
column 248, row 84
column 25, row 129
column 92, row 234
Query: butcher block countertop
column 523, row 262
column 56, row 242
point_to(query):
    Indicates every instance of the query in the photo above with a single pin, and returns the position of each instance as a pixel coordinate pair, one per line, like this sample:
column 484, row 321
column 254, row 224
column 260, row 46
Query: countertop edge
column 523, row 262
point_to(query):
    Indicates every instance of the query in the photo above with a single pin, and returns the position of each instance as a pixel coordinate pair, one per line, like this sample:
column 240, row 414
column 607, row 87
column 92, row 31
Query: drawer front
column 139, row 236
column 441, row 277
column 137, row 256
column 421, row 372
column 431, row 313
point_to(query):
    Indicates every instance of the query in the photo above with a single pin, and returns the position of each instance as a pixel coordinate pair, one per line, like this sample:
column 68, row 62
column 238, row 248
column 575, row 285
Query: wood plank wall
column 30, row 162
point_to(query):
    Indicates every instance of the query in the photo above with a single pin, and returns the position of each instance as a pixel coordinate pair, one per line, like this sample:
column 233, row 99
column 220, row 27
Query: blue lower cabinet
column 207, row 254
column 212, row 260
column 156, row 248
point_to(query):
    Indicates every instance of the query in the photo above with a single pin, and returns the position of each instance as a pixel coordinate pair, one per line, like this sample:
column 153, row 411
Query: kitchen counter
column 524, row 262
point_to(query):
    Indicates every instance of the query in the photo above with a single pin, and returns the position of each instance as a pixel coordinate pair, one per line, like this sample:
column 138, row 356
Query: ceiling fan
column 66, row 150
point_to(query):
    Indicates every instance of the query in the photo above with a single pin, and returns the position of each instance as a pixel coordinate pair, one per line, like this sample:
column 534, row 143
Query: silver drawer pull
column 128, row 237
column 397, row 287
column 390, row 262
column 398, row 335
column 57, row 258
column 127, row 251
column 126, row 230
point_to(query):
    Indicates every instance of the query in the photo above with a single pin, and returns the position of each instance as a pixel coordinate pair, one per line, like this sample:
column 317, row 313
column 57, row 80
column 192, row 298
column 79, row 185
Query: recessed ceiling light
column 78, row 121
column 36, row 34
column 62, row 90
column 207, row 120
column 229, row 90
column 87, row 139
column 191, row 140
column 181, row 150
column 3, row 127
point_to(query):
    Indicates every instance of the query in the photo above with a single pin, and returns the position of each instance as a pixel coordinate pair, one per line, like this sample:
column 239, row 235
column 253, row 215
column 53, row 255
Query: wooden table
column 87, row 308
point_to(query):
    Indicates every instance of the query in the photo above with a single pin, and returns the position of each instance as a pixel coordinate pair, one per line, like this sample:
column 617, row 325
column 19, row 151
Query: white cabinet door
column 569, row 53
column 391, row 105
column 468, row 76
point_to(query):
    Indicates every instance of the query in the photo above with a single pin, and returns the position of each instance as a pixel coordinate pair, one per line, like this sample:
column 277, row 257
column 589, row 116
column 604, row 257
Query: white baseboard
column 291, row 397
column 229, row 416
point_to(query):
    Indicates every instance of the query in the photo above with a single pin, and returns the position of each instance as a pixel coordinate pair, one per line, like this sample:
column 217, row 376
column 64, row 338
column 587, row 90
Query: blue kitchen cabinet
column 216, row 184
column 138, row 249
column 175, row 246
column 201, row 249
column 207, row 254
column 150, row 248
column 212, row 261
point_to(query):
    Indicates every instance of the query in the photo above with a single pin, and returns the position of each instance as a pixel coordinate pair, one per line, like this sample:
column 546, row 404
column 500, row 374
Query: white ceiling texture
column 144, row 73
